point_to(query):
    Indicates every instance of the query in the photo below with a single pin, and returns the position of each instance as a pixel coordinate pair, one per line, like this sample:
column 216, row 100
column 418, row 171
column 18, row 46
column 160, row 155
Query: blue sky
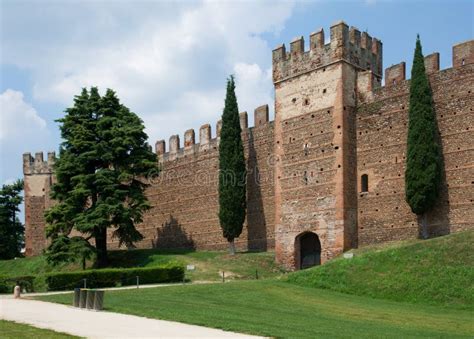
column 168, row 61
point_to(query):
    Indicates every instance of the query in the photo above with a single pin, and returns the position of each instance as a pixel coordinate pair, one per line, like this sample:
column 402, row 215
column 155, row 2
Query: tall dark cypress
column 423, row 167
column 232, row 172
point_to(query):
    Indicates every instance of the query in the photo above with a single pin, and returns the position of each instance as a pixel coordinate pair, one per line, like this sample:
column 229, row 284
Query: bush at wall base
column 114, row 277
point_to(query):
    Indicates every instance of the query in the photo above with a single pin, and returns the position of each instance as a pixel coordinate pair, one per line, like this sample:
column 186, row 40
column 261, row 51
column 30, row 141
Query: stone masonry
column 331, row 165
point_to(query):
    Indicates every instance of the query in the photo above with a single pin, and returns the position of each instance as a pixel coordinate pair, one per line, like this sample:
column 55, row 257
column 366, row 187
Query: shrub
column 4, row 287
column 114, row 277
column 26, row 282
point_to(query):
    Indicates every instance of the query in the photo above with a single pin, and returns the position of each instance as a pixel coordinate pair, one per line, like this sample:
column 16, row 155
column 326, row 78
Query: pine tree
column 232, row 172
column 99, row 178
column 423, row 167
column 11, row 229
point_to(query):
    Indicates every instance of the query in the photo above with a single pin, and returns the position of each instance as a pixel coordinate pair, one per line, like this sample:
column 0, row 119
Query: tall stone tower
column 38, row 178
column 315, row 142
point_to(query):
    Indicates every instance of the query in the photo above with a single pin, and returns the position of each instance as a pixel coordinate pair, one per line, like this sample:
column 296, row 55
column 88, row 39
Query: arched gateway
column 308, row 250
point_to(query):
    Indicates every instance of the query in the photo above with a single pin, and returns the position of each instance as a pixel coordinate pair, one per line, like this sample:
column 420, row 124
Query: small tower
column 38, row 178
column 315, row 142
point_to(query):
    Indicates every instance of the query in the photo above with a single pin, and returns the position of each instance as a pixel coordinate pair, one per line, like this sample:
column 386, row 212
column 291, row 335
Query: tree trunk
column 423, row 220
column 101, row 247
column 232, row 247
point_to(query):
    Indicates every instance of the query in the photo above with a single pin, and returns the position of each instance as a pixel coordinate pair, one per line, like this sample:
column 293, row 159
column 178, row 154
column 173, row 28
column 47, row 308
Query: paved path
column 131, row 287
column 102, row 324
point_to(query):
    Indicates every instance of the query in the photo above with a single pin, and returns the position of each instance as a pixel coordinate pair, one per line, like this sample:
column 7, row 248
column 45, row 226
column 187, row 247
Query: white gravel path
column 102, row 324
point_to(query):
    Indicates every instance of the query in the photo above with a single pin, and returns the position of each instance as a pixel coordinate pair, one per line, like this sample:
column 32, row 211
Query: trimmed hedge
column 26, row 282
column 114, row 277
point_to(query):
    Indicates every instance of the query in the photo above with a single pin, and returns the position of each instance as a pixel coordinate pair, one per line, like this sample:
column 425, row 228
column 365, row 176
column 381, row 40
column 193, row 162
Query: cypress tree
column 423, row 167
column 232, row 172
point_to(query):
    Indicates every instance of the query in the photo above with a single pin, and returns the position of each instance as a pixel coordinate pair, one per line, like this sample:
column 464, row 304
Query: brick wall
column 184, row 197
column 382, row 124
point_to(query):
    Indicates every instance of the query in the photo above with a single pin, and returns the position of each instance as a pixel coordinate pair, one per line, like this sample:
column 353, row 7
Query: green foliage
column 232, row 172
column 280, row 310
column 11, row 229
column 13, row 330
column 26, row 282
column 423, row 168
column 101, row 176
column 68, row 249
column 112, row 277
column 437, row 271
column 209, row 265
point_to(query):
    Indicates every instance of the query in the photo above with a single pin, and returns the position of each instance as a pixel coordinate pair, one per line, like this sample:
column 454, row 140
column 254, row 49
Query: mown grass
column 13, row 330
column 208, row 265
column 438, row 271
column 278, row 309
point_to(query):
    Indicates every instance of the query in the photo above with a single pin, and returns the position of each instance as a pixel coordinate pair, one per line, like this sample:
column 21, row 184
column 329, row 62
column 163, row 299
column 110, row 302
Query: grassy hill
column 208, row 265
column 436, row 271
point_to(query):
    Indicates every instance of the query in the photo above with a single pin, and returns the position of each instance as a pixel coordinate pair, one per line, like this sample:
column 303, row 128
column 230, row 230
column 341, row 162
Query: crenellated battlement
column 395, row 75
column 37, row 165
column 347, row 44
column 206, row 140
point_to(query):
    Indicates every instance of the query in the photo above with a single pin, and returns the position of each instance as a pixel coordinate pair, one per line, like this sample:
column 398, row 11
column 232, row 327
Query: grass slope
column 13, row 330
column 279, row 309
column 437, row 271
column 209, row 265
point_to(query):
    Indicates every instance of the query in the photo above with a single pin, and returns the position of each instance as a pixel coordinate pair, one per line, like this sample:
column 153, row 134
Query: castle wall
column 334, row 123
column 315, row 142
column 382, row 125
column 184, row 197
column 38, row 178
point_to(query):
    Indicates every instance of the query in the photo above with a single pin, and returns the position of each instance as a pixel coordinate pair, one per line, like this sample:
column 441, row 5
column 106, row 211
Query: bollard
column 82, row 298
column 90, row 299
column 17, row 292
column 76, row 300
column 99, row 300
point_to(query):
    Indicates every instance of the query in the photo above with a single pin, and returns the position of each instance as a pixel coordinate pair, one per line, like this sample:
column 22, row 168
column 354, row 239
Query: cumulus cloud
column 18, row 118
column 167, row 62
column 21, row 129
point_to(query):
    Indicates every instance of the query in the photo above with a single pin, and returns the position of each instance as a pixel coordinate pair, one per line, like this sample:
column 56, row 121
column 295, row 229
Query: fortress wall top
column 395, row 75
column 346, row 44
column 463, row 53
column 432, row 63
column 261, row 119
column 37, row 165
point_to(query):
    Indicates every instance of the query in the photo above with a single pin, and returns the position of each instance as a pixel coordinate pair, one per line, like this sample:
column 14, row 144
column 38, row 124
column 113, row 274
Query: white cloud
column 167, row 62
column 18, row 118
column 21, row 130
column 254, row 87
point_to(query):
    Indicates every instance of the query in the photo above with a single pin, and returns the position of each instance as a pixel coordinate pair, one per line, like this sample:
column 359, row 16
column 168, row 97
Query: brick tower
column 38, row 177
column 315, row 142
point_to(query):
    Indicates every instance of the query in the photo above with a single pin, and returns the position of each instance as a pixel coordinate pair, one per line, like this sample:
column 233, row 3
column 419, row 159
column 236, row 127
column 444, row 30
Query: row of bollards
column 88, row 299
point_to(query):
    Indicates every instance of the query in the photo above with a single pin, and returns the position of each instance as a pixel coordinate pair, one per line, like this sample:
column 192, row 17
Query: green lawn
column 13, row 330
column 208, row 265
column 280, row 309
column 438, row 271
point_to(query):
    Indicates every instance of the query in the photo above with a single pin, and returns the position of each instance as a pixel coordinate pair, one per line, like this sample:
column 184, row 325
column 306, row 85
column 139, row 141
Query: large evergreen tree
column 232, row 172
column 423, row 167
column 100, row 178
column 11, row 229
